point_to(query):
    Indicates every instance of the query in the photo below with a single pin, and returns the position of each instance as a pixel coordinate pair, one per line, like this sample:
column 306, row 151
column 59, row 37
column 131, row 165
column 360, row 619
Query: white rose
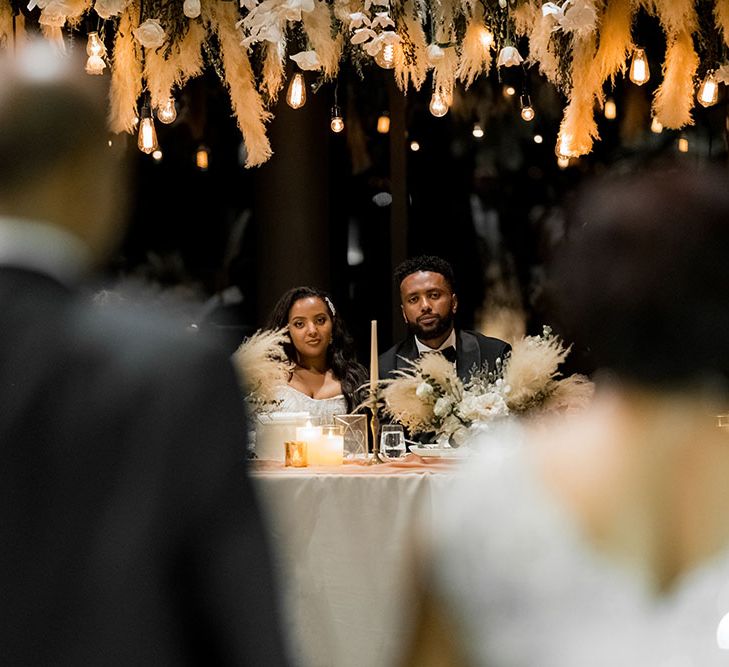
column 442, row 406
column 191, row 8
column 424, row 390
column 150, row 34
column 108, row 8
column 509, row 56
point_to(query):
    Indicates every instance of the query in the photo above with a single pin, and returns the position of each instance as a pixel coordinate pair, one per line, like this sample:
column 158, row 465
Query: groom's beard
column 442, row 326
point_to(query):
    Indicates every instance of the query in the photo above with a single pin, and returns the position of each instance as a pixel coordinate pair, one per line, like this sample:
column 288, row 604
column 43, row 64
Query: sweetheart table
column 343, row 553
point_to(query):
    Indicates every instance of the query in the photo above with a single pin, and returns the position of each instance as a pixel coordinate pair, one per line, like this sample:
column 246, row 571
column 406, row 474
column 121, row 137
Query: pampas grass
column 188, row 53
column 540, row 37
column 245, row 99
column 444, row 74
column 126, row 74
column 616, row 40
column 531, row 369
column 579, row 129
column 475, row 59
column 676, row 16
column 318, row 28
column 263, row 365
column 6, row 25
column 570, row 394
column 674, row 98
column 721, row 15
column 411, row 71
column 160, row 74
column 415, row 412
column 273, row 71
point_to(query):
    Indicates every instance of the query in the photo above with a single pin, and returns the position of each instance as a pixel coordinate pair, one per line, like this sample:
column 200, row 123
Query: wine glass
column 392, row 441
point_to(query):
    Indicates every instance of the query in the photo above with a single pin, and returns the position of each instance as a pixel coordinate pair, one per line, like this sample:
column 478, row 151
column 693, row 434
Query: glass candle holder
column 296, row 454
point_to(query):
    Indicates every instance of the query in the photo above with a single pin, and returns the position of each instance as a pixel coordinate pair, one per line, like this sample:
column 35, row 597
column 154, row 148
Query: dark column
column 399, row 191
column 292, row 203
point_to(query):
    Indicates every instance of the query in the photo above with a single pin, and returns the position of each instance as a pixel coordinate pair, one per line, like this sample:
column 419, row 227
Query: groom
column 429, row 303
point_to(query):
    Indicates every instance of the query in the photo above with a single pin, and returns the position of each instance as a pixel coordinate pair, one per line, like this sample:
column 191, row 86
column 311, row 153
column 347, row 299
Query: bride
column 604, row 539
column 326, row 376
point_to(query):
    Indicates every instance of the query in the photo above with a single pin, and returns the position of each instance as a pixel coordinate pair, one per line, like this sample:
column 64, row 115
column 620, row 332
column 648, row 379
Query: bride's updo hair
column 642, row 282
column 341, row 355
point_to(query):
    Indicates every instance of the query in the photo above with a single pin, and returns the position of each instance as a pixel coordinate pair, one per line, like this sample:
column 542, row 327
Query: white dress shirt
column 44, row 248
column 448, row 342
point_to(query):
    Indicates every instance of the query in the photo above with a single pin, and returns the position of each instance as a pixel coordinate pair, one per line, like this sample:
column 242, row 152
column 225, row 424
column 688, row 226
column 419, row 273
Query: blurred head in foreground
column 55, row 164
column 642, row 280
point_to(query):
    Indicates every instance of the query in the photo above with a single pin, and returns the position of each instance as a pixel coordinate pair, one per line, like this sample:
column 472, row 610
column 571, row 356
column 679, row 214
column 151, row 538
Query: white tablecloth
column 343, row 553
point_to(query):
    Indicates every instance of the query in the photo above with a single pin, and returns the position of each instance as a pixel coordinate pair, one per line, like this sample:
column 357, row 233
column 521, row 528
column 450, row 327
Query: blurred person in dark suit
column 130, row 534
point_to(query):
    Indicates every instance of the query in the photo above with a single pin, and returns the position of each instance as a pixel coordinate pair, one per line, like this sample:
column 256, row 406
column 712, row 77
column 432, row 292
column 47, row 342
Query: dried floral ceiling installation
column 153, row 47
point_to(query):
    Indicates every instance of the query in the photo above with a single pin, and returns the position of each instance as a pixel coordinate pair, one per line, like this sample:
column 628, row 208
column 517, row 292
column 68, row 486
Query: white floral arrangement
column 263, row 366
column 430, row 397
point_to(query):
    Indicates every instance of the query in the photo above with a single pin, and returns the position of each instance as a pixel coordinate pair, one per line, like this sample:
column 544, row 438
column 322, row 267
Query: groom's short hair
column 430, row 263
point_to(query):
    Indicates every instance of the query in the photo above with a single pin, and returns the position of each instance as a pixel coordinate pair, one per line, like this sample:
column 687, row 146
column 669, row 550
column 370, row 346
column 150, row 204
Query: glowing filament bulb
column 94, row 45
column 385, row 57
column 639, row 70
column 477, row 131
column 383, row 123
column 611, row 111
column 337, row 122
column 527, row 111
column 167, row 112
column 147, row 138
column 656, row 126
column 486, row 37
column 414, row 146
column 563, row 162
column 202, row 157
column 708, row 94
column 438, row 106
column 683, row 145
column 296, row 93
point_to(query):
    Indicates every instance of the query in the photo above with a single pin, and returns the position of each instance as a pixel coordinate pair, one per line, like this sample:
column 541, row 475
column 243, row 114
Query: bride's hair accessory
column 331, row 306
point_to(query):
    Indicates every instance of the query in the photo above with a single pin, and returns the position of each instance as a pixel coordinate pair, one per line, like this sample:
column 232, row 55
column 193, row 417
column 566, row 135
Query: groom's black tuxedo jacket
column 130, row 534
column 472, row 349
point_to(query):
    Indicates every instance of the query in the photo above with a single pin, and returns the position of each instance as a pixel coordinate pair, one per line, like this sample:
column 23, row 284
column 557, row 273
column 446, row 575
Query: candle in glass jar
column 330, row 449
column 311, row 435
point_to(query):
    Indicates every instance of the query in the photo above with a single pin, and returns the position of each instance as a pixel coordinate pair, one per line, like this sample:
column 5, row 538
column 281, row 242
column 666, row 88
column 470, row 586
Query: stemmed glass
column 392, row 441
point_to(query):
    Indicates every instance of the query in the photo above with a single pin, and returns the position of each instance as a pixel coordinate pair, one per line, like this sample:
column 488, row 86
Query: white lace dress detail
column 525, row 589
column 292, row 400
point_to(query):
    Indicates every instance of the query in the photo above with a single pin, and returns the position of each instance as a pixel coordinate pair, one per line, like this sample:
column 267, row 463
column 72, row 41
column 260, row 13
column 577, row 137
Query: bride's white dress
column 292, row 400
column 526, row 589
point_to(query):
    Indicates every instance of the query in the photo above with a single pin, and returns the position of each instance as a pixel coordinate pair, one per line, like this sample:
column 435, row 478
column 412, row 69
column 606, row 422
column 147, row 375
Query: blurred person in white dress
column 603, row 539
column 326, row 378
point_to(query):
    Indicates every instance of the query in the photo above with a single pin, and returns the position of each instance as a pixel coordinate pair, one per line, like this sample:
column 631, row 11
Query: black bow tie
column 448, row 352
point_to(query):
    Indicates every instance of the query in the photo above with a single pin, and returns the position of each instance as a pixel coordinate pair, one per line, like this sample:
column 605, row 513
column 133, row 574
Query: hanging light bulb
column 167, row 112
column 438, row 106
column 527, row 111
column 656, row 126
column 95, row 65
column 563, row 162
column 639, row 70
column 683, row 145
column 486, row 37
column 385, row 57
column 147, row 138
column 414, row 146
column 94, row 45
column 383, row 123
column 157, row 155
column 611, row 111
column 337, row 122
column 538, row 138
column 708, row 94
column 563, row 147
column 477, row 131
column 202, row 157
column 509, row 91
column 296, row 93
